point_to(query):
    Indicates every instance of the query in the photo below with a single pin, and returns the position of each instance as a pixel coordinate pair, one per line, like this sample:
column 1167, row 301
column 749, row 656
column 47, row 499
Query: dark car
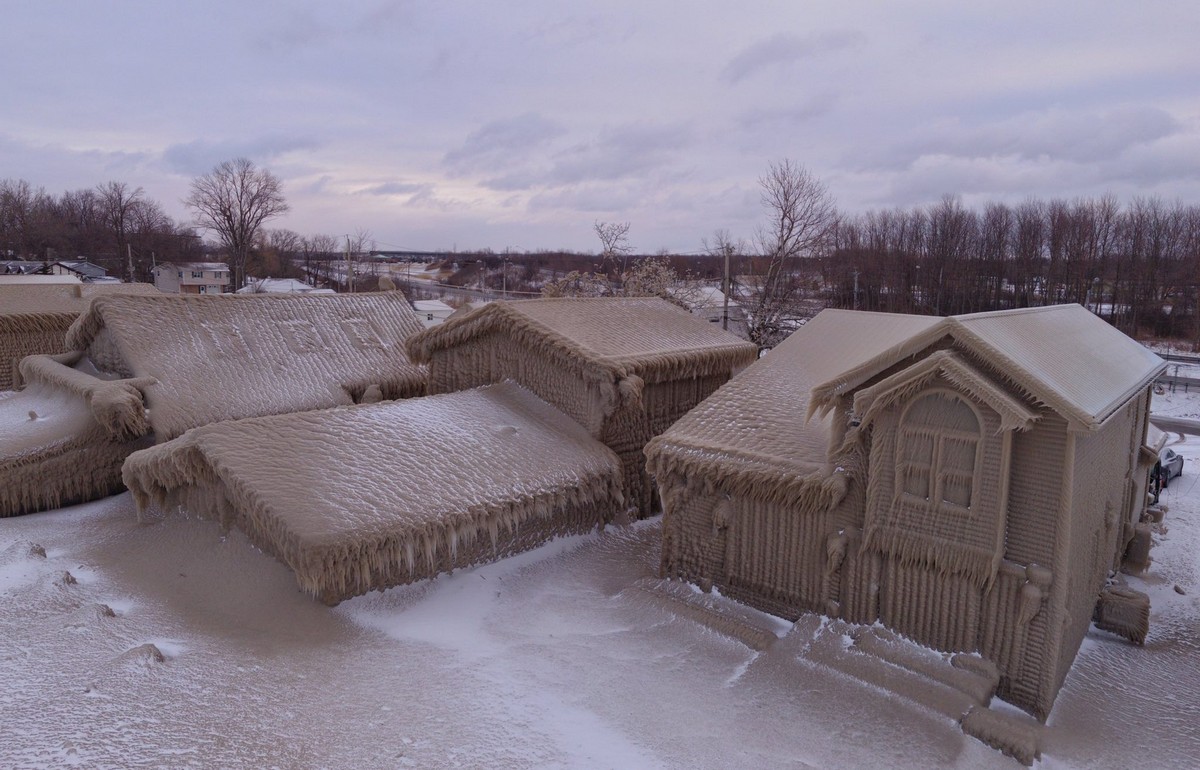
column 1170, row 465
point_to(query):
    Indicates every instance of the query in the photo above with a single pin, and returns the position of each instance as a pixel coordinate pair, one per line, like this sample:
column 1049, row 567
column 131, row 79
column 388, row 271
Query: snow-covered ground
column 556, row 658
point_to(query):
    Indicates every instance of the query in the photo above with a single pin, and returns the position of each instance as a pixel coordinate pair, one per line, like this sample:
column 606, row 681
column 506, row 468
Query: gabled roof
column 193, row 265
column 772, row 423
column 228, row 356
column 1063, row 356
column 752, row 432
column 618, row 336
column 83, row 267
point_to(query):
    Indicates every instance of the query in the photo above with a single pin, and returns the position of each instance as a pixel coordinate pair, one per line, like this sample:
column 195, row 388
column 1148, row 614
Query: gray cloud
column 820, row 105
column 783, row 49
column 1056, row 134
column 200, row 156
column 397, row 188
column 630, row 150
column 503, row 144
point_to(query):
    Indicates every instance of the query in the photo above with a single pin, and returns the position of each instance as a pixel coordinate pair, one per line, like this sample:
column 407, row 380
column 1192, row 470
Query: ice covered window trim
column 938, row 459
column 926, row 474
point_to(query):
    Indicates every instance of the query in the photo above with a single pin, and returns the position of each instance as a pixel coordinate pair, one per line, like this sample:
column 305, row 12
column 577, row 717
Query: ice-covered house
column 34, row 318
column 969, row 482
column 146, row 368
column 623, row 368
column 500, row 472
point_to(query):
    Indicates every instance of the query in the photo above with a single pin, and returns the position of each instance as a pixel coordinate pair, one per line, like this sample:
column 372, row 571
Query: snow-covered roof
column 222, row 357
column 630, row 335
column 432, row 306
column 758, row 419
column 83, row 267
column 192, row 265
column 275, row 286
column 1062, row 356
column 774, row 418
column 701, row 296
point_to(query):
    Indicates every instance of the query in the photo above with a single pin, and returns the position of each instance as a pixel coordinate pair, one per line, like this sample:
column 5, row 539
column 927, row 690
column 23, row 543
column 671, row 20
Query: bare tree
column 358, row 248
column 117, row 202
column 234, row 200
column 801, row 216
column 614, row 245
column 318, row 252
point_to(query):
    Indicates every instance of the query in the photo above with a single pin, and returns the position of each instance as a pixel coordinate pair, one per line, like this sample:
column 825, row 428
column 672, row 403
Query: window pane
column 916, row 481
column 956, row 489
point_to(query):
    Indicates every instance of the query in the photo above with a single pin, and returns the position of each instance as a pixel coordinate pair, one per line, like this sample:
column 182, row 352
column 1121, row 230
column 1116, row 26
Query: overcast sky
column 438, row 124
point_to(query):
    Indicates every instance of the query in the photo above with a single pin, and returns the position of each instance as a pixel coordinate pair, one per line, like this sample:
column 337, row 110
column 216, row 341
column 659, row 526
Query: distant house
column 971, row 482
column 81, row 269
column 191, row 277
column 432, row 311
column 708, row 302
column 623, row 368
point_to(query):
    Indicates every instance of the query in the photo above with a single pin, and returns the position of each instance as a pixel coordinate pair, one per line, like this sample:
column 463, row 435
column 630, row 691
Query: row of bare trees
column 113, row 225
column 118, row 227
column 1137, row 265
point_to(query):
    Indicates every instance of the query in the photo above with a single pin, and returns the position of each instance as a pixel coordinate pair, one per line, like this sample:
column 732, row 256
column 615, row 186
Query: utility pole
column 129, row 260
column 856, row 290
column 349, row 267
column 725, row 291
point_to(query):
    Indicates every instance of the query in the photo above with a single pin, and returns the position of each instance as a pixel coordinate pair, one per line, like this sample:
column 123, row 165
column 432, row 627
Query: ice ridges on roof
column 154, row 366
column 414, row 488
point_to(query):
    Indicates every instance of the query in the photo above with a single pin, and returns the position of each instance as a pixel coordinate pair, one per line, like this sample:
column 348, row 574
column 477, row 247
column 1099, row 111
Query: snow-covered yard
column 556, row 658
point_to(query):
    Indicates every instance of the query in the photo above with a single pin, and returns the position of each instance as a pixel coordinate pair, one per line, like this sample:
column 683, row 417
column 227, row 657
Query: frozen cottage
column 970, row 482
column 623, row 368
column 34, row 318
column 501, row 471
column 147, row 368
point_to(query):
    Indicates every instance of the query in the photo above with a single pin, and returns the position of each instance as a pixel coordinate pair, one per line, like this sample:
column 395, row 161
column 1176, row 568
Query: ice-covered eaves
column 950, row 366
column 611, row 337
column 365, row 497
column 754, row 431
column 226, row 357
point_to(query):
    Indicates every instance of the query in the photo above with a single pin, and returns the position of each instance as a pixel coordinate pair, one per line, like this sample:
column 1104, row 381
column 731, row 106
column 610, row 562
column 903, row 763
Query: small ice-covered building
column 500, row 472
column 971, row 482
column 623, row 368
column 432, row 312
column 34, row 317
column 157, row 365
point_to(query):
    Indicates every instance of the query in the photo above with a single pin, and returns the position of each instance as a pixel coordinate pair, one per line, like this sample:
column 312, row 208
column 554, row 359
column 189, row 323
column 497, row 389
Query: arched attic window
column 937, row 458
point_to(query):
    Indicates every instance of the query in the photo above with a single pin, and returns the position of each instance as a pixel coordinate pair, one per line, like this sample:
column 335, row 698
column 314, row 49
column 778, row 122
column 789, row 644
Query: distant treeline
column 1137, row 265
column 113, row 225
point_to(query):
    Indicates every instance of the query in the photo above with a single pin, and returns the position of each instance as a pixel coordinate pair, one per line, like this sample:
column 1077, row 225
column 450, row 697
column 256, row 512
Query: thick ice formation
column 969, row 482
column 191, row 360
column 226, row 357
column 34, row 318
column 65, row 436
column 624, row 368
column 371, row 496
